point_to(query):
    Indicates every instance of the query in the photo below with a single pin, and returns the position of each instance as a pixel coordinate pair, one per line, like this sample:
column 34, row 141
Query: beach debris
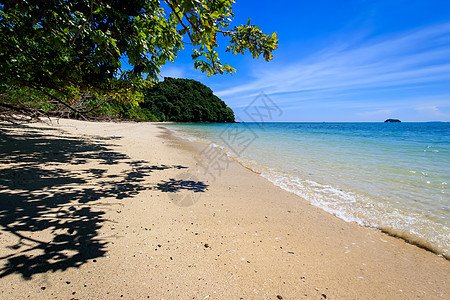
column 206, row 246
column 43, row 288
column 67, row 282
column 324, row 296
column 290, row 252
column 279, row 297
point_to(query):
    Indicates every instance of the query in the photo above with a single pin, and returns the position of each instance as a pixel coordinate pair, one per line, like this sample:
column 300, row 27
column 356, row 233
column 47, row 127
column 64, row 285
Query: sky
column 340, row 61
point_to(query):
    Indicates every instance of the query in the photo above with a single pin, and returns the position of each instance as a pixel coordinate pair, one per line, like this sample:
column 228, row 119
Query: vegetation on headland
column 185, row 100
column 70, row 53
column 177, row 100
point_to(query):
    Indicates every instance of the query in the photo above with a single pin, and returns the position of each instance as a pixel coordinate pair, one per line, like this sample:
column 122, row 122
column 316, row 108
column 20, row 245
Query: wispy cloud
column 172, row 71
column 412, row 59
column 432, row 111
column 376, row 113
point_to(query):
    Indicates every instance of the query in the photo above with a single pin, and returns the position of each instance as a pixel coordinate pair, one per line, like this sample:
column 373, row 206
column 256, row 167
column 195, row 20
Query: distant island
column 392, row 121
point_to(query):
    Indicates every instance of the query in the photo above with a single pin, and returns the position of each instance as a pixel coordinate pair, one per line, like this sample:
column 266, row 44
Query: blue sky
column 356, row 60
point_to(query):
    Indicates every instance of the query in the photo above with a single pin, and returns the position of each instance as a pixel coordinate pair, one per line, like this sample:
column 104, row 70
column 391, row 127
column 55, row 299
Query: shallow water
column 390, row 176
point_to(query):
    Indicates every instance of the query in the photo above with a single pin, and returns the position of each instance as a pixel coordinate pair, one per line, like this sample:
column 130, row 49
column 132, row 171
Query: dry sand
column 125, row 211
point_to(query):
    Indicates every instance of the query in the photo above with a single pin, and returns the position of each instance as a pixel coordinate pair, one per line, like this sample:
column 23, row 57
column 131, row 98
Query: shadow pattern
column 173, row 186
column 49, row 196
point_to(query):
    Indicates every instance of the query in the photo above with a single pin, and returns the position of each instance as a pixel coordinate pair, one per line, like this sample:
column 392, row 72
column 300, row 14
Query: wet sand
column 127, row 211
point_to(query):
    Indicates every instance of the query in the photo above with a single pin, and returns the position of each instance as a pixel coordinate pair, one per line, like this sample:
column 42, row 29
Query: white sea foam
column 180, row 134
column 352, row 207
column 362, row 185
column 214, row 145
column 414, row 227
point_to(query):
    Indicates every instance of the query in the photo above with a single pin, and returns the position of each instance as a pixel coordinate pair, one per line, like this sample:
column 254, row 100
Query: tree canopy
column 69, row 48
column 185, row 100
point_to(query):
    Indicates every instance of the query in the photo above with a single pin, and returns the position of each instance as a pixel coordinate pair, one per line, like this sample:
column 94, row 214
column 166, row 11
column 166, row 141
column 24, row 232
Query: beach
column 93, row 210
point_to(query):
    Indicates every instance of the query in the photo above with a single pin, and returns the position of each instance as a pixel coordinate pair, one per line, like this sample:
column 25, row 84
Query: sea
column 392, row 177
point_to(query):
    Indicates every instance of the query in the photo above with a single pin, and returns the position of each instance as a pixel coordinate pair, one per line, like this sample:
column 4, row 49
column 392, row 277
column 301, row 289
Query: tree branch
column 180, row 20
column 61, row 102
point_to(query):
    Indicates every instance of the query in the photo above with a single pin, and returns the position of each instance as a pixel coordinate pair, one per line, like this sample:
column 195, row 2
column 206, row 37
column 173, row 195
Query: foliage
column 185, row 100
column 180, row 100
column 34, row 103
column 20, row 97
column 127, row 111
column 67, row 49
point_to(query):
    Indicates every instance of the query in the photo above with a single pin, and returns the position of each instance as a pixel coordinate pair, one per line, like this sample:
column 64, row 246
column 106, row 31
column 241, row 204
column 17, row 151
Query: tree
column 68, row 49
column 185, row 100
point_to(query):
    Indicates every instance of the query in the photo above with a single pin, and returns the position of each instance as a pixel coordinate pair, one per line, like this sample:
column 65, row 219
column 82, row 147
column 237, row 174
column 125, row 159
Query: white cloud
column 432, row 111
column 380, row 113
column 172, row 71
column 416, row 58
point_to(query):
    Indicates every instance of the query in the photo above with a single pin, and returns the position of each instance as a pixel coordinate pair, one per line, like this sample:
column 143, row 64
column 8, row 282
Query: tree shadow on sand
column 174, row 185
column 49, row 209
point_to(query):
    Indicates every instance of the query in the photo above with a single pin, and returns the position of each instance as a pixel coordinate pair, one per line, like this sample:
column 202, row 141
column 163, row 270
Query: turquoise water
column 391, row 176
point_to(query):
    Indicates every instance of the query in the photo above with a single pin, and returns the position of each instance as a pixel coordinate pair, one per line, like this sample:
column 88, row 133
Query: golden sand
column 126, row 211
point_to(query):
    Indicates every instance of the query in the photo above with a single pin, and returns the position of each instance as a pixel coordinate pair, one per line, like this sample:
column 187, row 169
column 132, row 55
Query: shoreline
column 240, row 235
column 393, row 232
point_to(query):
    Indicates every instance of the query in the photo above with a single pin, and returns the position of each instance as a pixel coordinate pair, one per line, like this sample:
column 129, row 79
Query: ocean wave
column 404, row 213
column 351, row 207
